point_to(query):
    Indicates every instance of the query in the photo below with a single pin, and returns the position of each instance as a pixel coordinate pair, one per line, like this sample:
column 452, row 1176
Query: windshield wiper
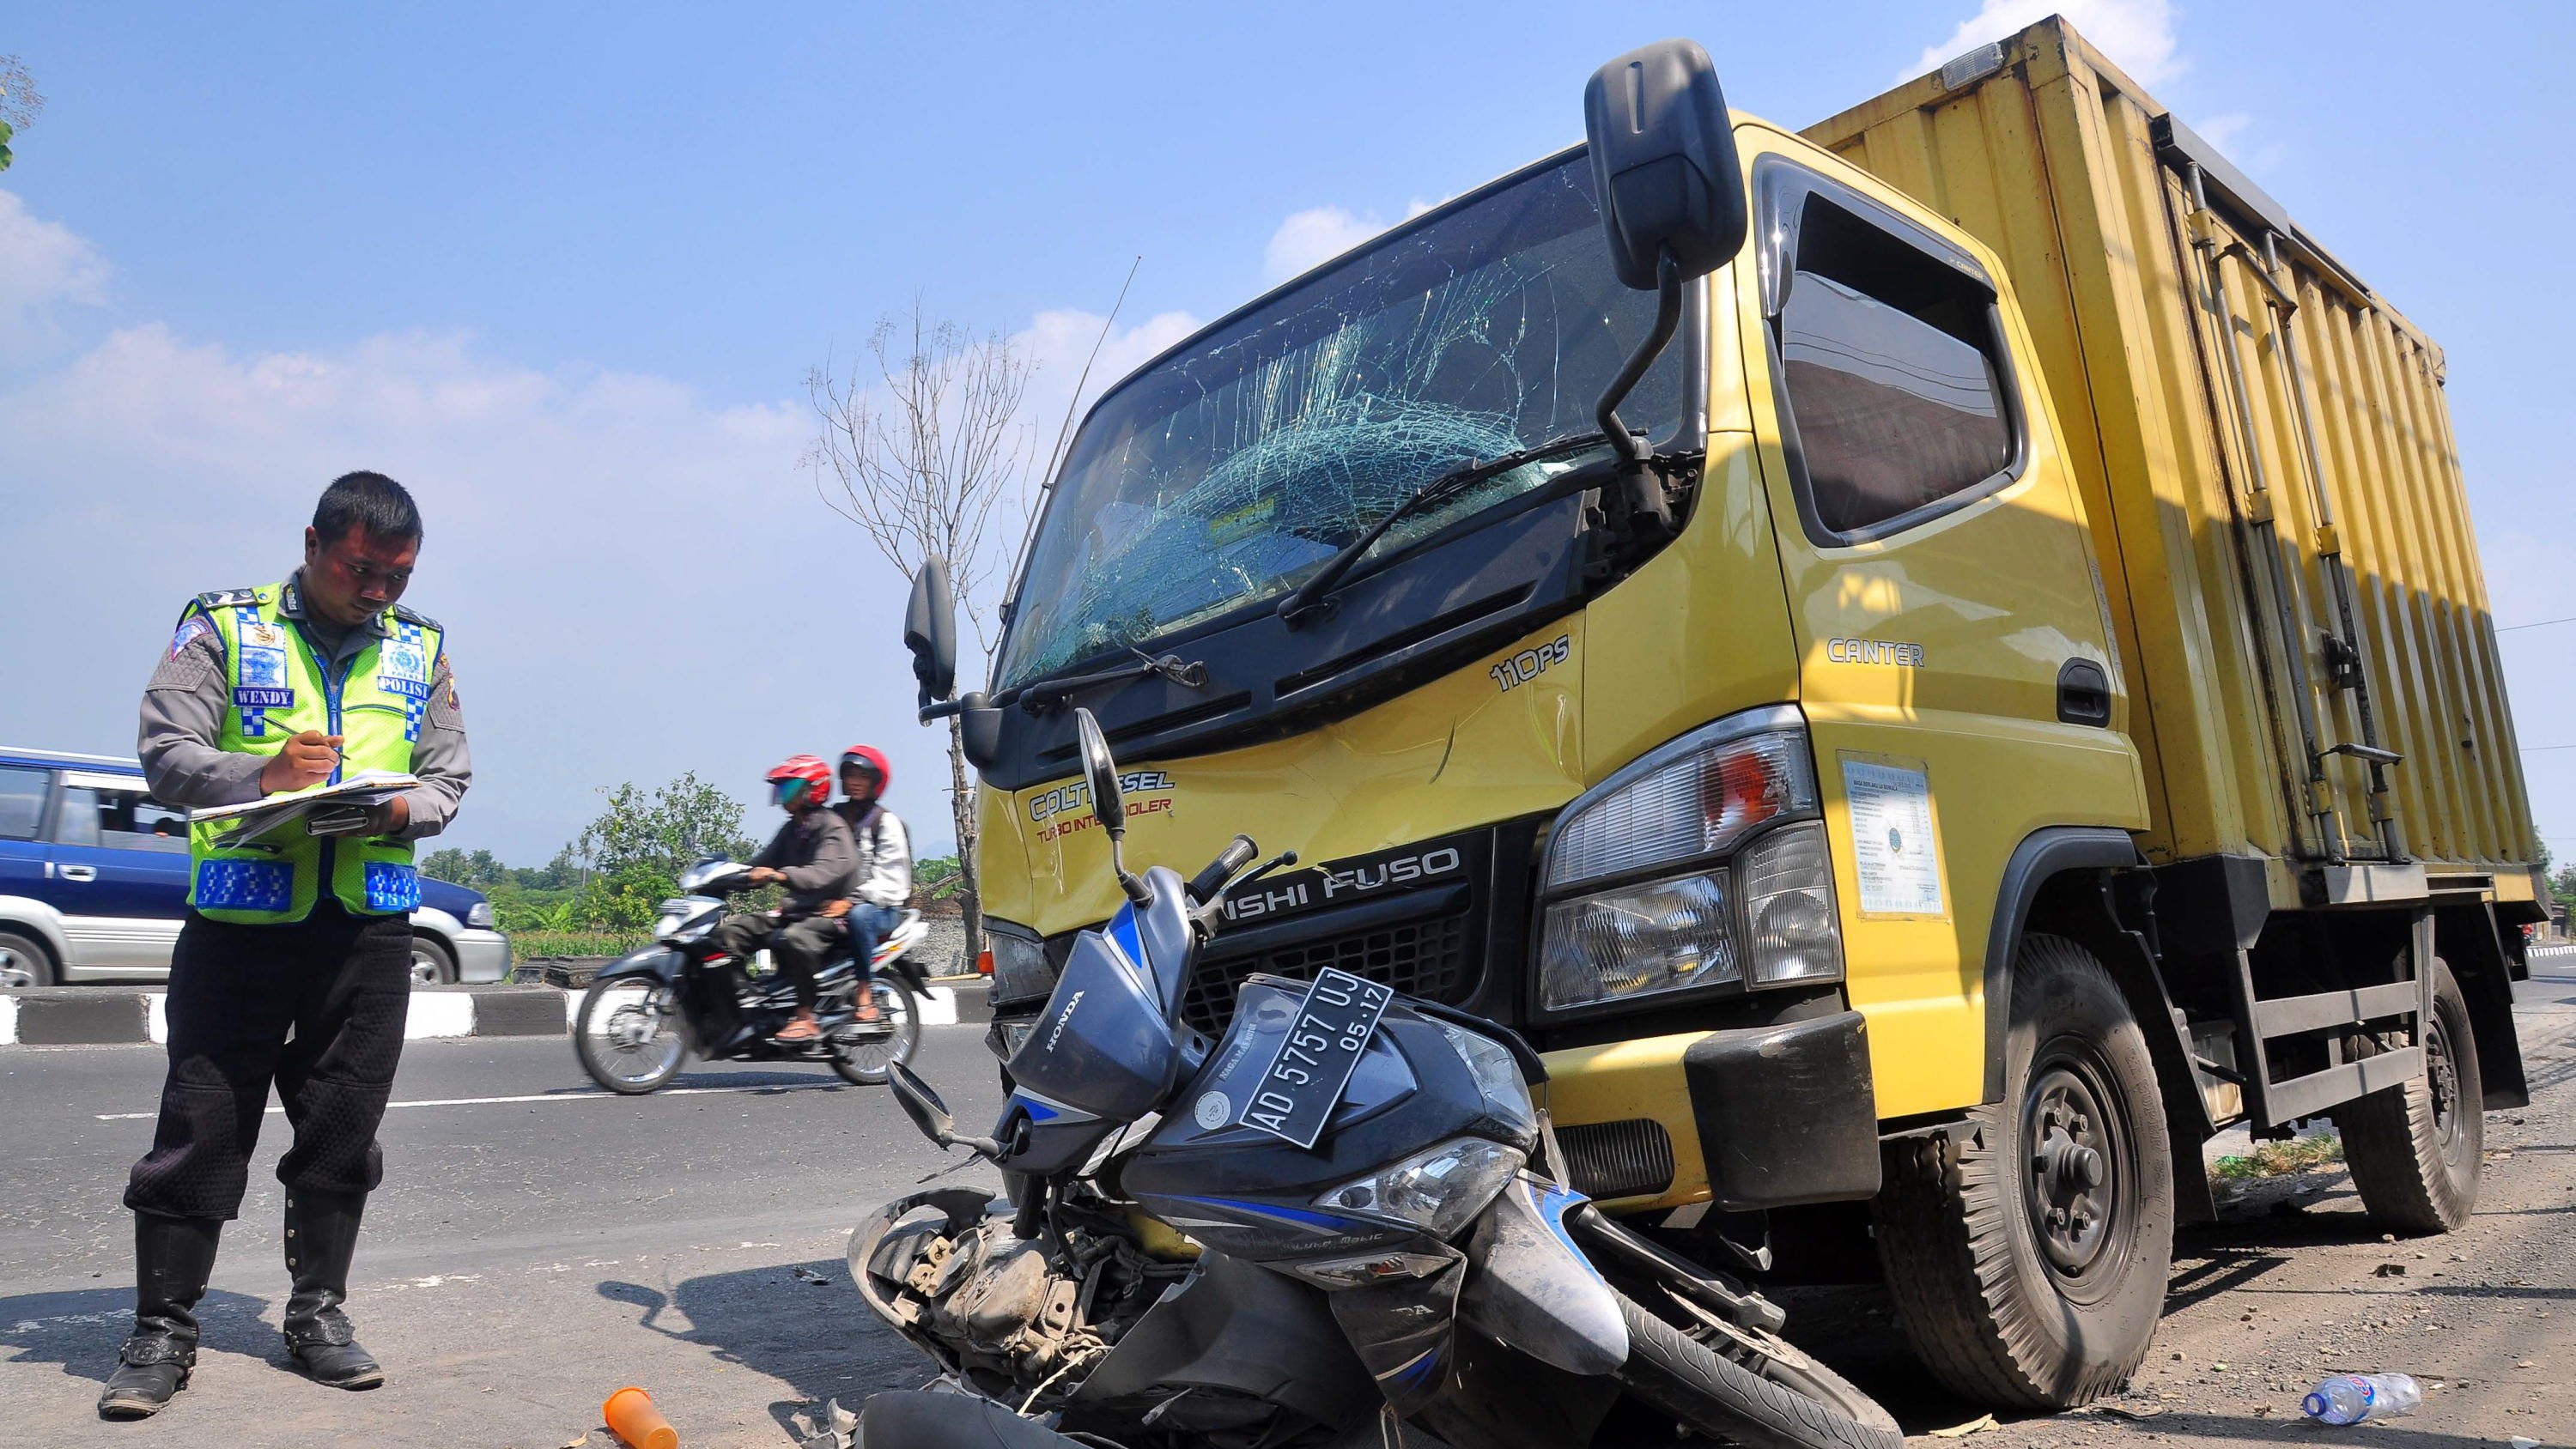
column 1308, row 599
column 1039, row 693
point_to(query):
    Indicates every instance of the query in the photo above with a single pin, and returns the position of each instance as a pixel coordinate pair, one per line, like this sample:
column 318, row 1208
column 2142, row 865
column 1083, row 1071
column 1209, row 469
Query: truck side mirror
column 930, row 631
column 1100, row 771
column 1663, row 160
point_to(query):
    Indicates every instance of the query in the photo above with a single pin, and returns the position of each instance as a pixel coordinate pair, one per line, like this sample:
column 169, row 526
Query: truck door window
column 1898, row 396
column 22, row 801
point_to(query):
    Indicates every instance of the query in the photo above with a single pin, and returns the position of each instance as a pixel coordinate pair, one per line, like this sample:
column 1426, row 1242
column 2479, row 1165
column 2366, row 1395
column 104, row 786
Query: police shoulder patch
column 410, row 615
column 192, row 627
column 228, row 598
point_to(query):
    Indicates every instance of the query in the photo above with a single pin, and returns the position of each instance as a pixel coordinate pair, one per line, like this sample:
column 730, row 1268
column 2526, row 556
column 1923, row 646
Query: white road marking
column 587, row 1095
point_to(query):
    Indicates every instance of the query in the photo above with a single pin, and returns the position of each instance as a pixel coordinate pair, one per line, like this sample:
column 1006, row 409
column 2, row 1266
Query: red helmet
column 872, row 759
column 816, row 775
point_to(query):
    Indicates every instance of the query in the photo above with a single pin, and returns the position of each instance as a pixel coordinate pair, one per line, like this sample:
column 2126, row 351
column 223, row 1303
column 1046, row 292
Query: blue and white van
column 94, row 882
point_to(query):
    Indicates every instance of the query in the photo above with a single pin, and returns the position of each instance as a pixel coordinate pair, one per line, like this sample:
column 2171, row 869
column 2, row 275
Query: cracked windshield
column 1229, row 472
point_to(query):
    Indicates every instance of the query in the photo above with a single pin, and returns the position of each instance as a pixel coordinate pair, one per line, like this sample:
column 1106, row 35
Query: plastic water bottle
column 2351, row 1398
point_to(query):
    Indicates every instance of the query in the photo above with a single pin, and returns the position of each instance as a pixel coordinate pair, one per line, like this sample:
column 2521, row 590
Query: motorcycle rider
column 812, row 856
column 883, row 885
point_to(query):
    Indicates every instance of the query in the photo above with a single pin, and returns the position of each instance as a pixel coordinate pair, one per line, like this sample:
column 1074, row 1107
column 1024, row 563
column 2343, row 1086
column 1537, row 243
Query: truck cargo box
column 2265, row 454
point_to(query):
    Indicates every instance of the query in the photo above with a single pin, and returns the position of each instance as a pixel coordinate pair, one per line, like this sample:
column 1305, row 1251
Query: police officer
column 294, row 967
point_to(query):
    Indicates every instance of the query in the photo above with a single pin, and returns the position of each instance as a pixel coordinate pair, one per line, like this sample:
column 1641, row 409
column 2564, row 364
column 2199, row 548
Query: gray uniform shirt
column 184, row 706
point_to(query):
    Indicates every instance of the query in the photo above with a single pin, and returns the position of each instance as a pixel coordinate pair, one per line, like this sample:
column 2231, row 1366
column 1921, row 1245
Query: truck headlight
column 1692, row 799
column 479, row 915
column 1725, row 879
column 1790, row 933
column 1667, row 935
column 1439, row 1191
column 1020, row 970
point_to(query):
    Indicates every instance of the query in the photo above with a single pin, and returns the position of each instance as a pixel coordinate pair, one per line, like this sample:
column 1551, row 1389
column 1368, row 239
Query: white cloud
column 1059, row 342
column 2137, row 35
column 1318, row 234
column 1312, row 236
column 44, row 266
column 638, row 580
column 2219, row 131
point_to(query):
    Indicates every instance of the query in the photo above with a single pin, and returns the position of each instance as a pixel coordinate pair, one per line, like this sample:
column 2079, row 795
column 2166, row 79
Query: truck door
column 1955, row 666
column 120, row 862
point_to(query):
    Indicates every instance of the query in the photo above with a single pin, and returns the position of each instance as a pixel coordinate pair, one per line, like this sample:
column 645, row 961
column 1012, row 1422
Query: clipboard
column 259, row 820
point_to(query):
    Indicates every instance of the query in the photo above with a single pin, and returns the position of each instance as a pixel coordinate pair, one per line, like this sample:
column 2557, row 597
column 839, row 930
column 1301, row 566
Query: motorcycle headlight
column 479, row 915
column 1440, row 1191
column 1498, row 1078
column 1020, row 970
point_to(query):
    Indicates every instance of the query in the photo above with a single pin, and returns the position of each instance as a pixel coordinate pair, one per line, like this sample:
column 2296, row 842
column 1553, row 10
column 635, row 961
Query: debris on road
column 2352, row 1398
column 630, row 1416
column 1977, row 1425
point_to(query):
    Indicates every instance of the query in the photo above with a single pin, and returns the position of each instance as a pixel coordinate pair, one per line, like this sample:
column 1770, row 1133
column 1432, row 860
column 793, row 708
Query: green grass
column 2283, row 1159
column 527, row 945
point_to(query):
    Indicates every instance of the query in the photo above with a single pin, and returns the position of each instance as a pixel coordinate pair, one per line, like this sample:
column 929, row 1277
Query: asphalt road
column 538, row 1245
column 541, row 1244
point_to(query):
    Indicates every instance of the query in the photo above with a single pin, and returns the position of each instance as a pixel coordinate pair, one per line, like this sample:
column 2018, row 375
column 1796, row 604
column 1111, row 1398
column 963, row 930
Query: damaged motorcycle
column 1350, row 1208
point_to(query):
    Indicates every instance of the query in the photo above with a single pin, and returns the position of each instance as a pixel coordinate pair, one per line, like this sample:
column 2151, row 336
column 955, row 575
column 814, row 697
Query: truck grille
column 1429, row 959
column 1628, row 1158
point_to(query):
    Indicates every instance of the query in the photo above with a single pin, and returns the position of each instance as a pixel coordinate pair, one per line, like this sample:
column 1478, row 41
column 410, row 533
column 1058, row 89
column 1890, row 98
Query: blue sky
column 564, row 269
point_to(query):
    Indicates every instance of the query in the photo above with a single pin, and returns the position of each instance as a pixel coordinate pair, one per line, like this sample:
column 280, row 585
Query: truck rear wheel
column 2415, row 1149
column 2028, row 1251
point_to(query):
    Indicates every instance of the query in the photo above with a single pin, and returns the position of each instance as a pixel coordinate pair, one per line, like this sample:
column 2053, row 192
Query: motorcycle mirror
column 921, row 1104
column 1100, row 770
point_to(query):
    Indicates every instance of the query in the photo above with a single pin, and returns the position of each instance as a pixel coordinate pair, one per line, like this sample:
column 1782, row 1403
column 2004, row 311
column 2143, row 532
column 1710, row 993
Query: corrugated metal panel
column 2255, row 490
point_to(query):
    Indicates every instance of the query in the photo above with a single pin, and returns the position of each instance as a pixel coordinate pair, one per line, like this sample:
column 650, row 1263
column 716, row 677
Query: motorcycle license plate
column 1296, row 1096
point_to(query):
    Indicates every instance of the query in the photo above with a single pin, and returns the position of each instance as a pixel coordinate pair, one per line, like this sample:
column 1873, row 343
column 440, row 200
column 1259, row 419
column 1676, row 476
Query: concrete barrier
column 107, row 1015
column 99, row 1016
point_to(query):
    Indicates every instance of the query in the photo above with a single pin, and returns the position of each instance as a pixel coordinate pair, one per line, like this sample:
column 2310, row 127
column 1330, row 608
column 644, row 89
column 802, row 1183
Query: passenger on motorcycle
column 813, row 858
column 884, row 882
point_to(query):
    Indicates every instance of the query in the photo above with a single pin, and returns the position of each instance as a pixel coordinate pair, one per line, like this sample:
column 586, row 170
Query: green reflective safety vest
column 278, row 686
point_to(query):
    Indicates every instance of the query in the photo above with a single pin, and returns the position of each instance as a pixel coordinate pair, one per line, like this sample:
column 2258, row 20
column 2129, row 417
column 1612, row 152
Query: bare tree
column 19, row 102
column 921, row 449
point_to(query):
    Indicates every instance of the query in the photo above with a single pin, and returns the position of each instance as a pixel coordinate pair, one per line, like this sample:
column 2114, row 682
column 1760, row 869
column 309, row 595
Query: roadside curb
column 97, row 1016
column 93, row 1016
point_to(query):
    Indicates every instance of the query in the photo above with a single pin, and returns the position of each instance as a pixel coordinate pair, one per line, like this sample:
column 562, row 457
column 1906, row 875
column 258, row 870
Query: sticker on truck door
column 1894, row 850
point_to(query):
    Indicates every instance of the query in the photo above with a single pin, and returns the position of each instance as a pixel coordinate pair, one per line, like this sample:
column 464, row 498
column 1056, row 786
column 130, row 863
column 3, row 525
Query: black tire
column 2415, row 1150
column 2019, row 1281
column 1681, row 1376
column 594, row 1040
column 27, row 958
column 432, row 964
column 868, row 1061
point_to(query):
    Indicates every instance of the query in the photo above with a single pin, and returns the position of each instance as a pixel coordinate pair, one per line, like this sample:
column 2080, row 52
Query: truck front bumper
column 1758, row 1117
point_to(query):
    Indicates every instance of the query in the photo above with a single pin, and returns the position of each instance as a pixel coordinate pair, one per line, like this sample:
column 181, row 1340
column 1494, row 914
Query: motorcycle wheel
column 866, row 1059
column 630, row 1035
column 1790, row 1402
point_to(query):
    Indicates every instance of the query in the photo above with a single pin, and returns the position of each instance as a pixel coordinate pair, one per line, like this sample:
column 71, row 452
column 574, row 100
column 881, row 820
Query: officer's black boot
column 321, row 1237
column 172, row 1259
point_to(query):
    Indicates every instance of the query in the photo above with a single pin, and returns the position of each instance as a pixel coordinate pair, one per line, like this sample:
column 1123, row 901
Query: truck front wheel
column 2027, row 1249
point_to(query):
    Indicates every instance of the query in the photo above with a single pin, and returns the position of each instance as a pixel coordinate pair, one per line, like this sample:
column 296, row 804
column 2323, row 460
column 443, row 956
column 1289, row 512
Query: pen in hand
column 307, row 759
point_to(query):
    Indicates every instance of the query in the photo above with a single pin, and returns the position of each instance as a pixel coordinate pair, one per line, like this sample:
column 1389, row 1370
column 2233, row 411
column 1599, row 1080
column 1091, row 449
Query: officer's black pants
column 316, row 1007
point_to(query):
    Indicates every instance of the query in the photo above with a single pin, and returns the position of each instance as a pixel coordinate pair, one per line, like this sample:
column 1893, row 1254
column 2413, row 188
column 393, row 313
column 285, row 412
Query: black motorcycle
column 647, row 1015
column 1350, row 1207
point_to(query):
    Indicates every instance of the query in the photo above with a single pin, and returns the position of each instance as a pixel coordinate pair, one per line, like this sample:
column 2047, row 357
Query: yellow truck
column 1937, row 660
